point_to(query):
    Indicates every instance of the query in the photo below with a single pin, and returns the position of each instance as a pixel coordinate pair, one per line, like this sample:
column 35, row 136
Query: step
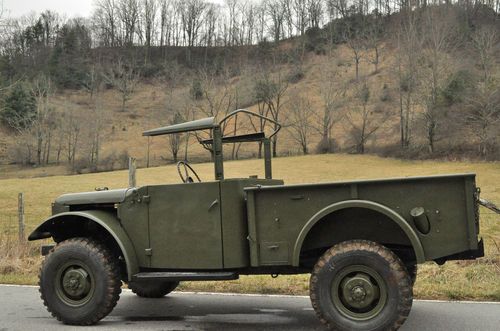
column 185, row 276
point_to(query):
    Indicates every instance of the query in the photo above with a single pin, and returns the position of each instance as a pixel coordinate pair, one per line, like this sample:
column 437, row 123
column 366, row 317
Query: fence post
column 147, row 162
column 131, row 172
column 20, row 210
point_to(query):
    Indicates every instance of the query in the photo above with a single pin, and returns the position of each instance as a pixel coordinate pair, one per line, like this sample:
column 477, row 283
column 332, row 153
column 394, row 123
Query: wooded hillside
column 407, row 79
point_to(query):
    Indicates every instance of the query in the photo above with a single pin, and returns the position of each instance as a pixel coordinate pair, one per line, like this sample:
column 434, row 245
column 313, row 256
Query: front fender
column 391, row 214
column 105, row 219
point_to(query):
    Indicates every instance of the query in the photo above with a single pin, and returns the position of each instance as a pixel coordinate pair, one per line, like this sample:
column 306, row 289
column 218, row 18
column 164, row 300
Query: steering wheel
column 187, row 168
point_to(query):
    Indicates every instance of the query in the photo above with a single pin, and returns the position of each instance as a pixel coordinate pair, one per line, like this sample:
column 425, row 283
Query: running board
column 185, row 276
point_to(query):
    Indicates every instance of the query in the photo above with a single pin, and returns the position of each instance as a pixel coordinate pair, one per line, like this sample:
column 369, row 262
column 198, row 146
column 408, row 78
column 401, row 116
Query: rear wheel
column 152, row 289
column 80, row 281
column 361, row 285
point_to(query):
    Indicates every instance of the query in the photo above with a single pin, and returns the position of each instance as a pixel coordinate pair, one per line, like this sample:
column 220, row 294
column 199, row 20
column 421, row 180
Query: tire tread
column 403, row 280
column 113, row 274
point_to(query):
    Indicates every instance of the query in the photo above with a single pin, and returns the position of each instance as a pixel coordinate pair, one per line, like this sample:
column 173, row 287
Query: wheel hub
column 75, row 282
column 359, row 291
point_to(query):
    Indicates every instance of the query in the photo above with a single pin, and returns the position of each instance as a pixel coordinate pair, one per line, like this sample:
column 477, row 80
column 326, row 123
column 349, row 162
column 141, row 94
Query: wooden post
column 20, row 210
column 147, row 161
column 131, row 172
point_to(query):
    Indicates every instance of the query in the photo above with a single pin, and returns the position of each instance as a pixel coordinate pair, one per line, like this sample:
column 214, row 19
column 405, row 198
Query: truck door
column 185, row 226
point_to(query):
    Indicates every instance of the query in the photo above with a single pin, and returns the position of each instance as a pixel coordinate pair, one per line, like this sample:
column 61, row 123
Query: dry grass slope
column 476, row 280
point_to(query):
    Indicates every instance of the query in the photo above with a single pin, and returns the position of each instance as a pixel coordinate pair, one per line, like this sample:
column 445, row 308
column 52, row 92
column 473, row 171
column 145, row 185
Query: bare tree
column 354, row 35
column 249, row 16
column 174, row 140
column 105, row 20
column 128, row 13
column 169, row 22
column 270, row 92
column 373, row 37
column 93, row 80
column 219, row 99
column 232, row 26
column 363, row 122
column 72, row 126
column 148, row 15
column 300, row 11
column 124, row 78
column 338, row 8
column 483, row 115
column 191, row 14
column 440, row 27
column 96, row 125
column 276, row 14
column 409, row 44
column 41, row 89
column 484, row 40
column 326, row 116
column 261, row 19
column 299, row 121
column 315, row 12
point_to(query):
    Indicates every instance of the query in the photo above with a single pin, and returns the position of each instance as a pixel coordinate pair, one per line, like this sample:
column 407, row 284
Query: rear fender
column 391, row 214
column 107, row 220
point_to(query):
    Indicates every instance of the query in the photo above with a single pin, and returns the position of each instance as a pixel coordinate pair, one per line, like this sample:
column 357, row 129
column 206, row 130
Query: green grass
column 474, row 280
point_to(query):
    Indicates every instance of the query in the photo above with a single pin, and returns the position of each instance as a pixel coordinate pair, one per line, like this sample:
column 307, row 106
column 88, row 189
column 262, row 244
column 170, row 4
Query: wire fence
column 11, row 225
column 8, row 225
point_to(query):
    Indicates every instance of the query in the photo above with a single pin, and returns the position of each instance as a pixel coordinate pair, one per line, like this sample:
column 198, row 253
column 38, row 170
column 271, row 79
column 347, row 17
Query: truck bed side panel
column 281, row 212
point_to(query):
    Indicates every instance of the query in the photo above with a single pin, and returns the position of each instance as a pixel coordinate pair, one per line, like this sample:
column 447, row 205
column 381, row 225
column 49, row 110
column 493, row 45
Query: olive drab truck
column 360, row 241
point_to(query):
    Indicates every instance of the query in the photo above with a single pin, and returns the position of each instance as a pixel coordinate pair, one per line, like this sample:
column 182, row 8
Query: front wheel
column 361, row 285
column 80, row 281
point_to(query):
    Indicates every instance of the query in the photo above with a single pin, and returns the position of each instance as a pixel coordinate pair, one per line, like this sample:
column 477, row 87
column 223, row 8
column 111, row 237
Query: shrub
column 457, row 85
column 196, row 90
column 19, row 108
column 315, row 41
column 296, row 75
column 326, row 146
column 385, row 96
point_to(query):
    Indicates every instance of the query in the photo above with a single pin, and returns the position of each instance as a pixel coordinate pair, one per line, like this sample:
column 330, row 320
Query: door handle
column 216, row 201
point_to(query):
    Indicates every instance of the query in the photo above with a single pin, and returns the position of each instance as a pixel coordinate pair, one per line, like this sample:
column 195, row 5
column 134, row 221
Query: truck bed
column 287, row 221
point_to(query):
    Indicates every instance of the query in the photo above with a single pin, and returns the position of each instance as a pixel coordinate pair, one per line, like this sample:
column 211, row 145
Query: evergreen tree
column 19, row 108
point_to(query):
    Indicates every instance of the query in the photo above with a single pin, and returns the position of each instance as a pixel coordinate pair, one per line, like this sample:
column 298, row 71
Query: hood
column 95, row 197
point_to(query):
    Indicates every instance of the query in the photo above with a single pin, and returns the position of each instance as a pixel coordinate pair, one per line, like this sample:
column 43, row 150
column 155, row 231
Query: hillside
column 396, row 93
column 149, row 105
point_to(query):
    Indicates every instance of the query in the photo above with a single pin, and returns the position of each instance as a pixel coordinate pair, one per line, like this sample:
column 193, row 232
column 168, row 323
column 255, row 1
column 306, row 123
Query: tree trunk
column 275, row 146
column 47, row 156
column 39, row 148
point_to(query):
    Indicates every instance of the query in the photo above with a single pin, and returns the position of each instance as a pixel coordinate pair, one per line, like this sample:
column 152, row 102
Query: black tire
column 361, row 285
column 80, row 281
column 412, row 272
column 152, row 289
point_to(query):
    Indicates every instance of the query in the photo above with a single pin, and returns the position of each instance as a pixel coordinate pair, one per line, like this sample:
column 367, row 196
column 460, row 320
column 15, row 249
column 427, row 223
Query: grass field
column 476, row 280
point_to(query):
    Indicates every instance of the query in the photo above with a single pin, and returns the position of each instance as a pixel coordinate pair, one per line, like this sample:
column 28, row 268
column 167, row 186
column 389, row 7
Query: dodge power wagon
column 359, row 240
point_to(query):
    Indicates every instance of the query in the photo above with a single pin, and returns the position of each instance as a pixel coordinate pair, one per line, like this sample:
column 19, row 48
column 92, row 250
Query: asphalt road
column 22, row 309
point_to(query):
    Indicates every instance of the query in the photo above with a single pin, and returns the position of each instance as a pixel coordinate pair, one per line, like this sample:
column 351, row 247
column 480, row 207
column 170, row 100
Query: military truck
column 360, row 240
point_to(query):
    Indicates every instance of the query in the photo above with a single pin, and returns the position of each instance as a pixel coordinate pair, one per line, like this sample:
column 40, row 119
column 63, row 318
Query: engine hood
column 95, row 197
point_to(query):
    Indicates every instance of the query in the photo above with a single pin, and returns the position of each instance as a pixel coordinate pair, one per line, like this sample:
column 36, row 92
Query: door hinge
column 146, row 199
column 148, row 251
